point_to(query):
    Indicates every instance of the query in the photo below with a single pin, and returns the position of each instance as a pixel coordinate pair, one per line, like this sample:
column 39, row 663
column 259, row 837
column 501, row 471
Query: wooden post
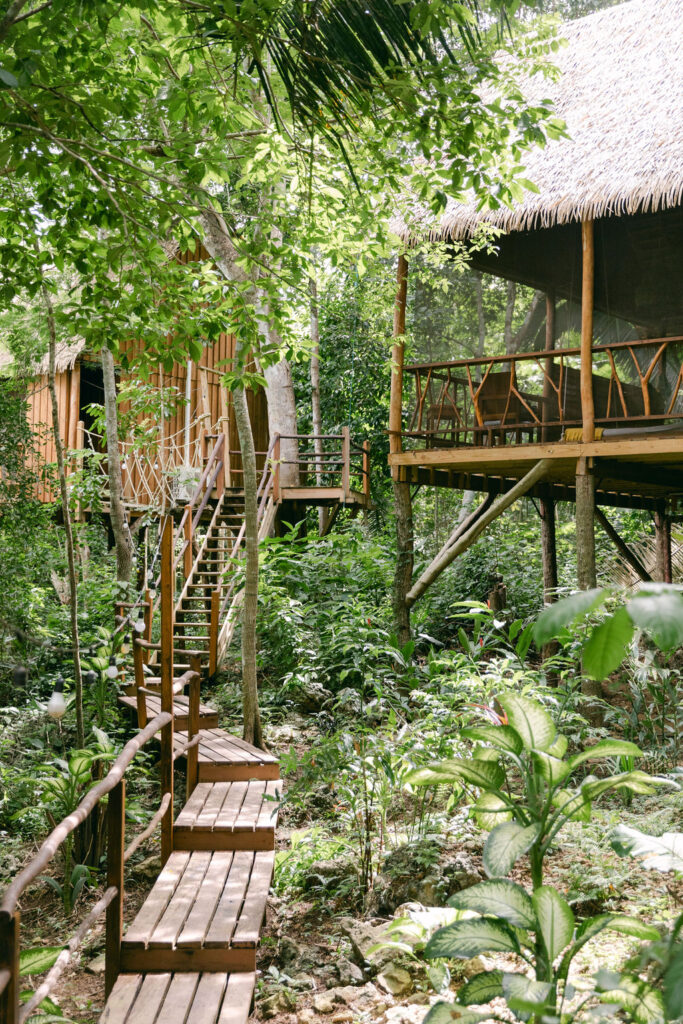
column 346, row 463
column 138, row 662
column 366, row 471
column 623, row 548
column 585, row 524
column 116, row 843
column 587, row 293
column 213, row 631
column 663, row 546
column 225, row 429
column 166, row 658
column 9, row 961
column 149, row 613
column 74, row 403
column 549, row 550
column 220, row 479
column 548, row 390
column 193, row 727
column 276, row 470
column 188, row 559
column 396, row 398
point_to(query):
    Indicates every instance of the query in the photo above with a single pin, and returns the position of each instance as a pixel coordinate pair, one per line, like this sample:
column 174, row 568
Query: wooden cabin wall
column 67, row 386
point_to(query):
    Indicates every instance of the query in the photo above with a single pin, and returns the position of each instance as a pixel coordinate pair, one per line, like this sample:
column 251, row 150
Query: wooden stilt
column 585, row 525
column 663, row 545
column 444, row 558
column 623, row 548
column 548, row 550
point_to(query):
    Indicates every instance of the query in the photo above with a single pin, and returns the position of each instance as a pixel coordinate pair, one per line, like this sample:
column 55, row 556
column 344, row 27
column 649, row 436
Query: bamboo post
column 213, row 631
column 74, row 403
column 276, row 470
column 166, row 658
column 366, row 471
column 187, row 554
column 397, row 351
column 587, row 294
column 116, row 843
column 9, row 962
column 346, row 463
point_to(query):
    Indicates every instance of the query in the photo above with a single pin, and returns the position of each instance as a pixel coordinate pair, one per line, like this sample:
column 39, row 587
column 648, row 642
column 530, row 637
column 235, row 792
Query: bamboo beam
column 444, row 559
column 622, row 547
column 587, row 293
column 397, row 353
column 468, row 522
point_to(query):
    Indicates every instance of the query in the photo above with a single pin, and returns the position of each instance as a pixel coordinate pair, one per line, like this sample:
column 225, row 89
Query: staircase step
column 180, row 998
column 208, row 717
column 225, row 758
column 229, row 816
column 204, row 913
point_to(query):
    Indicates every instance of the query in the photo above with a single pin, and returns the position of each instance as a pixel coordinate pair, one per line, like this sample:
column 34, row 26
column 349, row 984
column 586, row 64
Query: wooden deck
column 189, row 957
column 208, row 717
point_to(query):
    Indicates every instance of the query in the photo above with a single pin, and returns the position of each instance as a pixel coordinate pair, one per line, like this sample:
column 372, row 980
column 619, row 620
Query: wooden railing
column 340, row 463
column 113, row 786
column 535, row 396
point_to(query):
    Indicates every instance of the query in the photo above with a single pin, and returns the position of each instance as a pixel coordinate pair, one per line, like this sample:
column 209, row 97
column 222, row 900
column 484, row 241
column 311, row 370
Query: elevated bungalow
column 599, row 422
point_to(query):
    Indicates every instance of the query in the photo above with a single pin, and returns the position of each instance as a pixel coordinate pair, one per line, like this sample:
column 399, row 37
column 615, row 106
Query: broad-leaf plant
column 524, row 792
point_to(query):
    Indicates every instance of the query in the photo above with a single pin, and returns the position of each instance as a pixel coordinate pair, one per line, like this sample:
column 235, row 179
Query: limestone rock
column 323, row 1003
column 310, row 696
column 97, row 965
column 395, row 980
column 348, row 972
column 278, row 1002
column 327, row 874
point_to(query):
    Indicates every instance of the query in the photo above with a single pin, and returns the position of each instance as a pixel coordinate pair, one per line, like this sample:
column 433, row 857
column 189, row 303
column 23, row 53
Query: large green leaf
column 558, row 747
column 524, row 995
column 505, row 845
column 555, row 919
column 482, row 988
column 574, row 805
column 552, row 769
column 606, row 748
column 484, row 774
column 490, row 810
column 37, row 961
column 643, row 1002
column 464, row 939
column 635, row 781
column 660, row 615
column 555, row 617
column 498, row 897
column 607, row 645
column 447, row 1013
column 673, row 984
column 534, row 725
column 662, row 853
column 500, row 736
column 432, row 775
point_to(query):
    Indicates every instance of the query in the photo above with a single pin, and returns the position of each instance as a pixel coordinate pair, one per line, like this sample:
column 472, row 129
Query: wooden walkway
column 189, row 957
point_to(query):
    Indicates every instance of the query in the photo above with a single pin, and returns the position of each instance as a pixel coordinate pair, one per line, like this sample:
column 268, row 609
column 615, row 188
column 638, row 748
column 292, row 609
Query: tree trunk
column 66, row 513
column 119, row 522
column 585, row 526
column 250, row 704
column 315, row 394
column 403, row 574
column 663, row 568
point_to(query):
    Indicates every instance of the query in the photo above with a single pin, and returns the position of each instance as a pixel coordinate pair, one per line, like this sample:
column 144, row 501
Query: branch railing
column 535, row 396
column 332, row 461
column 112, row 786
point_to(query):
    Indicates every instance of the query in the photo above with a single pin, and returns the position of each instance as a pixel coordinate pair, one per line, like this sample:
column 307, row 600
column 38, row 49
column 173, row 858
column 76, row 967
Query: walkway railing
column 112, row 786
column 535, row 396
column 331, row 461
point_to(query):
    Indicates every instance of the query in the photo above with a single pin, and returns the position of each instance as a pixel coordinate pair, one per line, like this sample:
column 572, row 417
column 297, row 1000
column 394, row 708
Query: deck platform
column 208, row 717
column 229, row 816
column 225, row 758
column 204, row 913
column 179, row 998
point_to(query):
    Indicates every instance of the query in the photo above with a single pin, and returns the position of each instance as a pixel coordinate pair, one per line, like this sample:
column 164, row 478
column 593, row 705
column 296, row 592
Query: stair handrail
column 200, row 553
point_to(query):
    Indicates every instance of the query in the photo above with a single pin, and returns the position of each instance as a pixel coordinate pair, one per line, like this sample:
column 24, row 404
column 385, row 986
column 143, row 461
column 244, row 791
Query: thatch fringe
column 65, row 359
column 621, row 94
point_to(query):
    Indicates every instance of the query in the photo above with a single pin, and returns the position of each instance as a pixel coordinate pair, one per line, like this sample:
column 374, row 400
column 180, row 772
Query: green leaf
column 464, row 939
column 482, row 988
column 555, row 617
column 430, row 776
column 661, row 615
column 484, row 774
column 498, row 897
column 500, row 736
column 643, row 1003
column 635, row 781
column 663, row 853
column 673, row 984
column 524, row 995
column 555, row 919
column 552, row 769
column 447, row 1013
column 8, row 80
column 505, row 845
column 559, row 747
column 534, row 725
column 37, row 961
column 607, row 645
column 574, row 805
column 490, row 810
column 606, row 748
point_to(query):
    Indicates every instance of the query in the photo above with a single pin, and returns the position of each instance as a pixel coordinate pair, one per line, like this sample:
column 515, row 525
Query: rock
column 303, row 982
column 323, row 1003
column 279, row 1002
column 328, row 874
column 349, row 973
column 419, row 998
column 395, row 980
column 416, row 872
column 288, row 951
column 150, row 867
column 340, row 1018
column 363, row 936
column 468, row 968
column 356, row 997
column 459, row 872
column 97, row 965
column 305, row 1016
column 310, row 696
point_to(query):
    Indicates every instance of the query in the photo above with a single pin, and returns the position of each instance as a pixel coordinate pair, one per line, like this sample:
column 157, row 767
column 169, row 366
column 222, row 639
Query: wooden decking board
column 198, row 919
column 158, row 899
column 236, row 796
column 248, row 927
column 184, row 898
column 181, row 998
column 228, row 907
column 208, row 717
column 229, row 815
column 221, row 759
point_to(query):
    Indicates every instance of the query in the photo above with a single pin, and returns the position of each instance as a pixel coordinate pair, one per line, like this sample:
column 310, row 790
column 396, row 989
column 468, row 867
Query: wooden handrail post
column 276, row 470
column 149, row 613
column 213, row 631
column 116, row 844
column 138, row 661
column 166, row 657
column 346, row 462
column 187, row 554
column 366, row 470
column 220, row 479
column 193, row 728
column 9, row 961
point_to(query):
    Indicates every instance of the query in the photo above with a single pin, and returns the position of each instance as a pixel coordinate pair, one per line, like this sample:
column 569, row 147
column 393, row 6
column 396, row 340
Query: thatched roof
column 621, row 96
column 65, row 358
